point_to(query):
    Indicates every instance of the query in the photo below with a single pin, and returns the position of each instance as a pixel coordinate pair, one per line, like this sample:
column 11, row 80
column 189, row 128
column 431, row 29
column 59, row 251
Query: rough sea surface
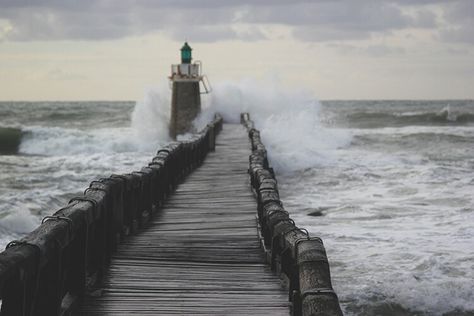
column 388, row 185
column 396, row 206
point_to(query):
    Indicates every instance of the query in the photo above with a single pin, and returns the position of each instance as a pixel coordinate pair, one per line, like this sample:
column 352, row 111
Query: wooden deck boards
column 201, row 254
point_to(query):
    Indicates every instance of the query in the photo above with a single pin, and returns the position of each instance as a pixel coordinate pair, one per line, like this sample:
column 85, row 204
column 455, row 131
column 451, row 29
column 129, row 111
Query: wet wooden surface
column 201, row 254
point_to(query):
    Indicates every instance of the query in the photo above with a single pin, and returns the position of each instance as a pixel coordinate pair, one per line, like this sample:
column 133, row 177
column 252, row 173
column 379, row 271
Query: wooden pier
column 200, row 231
column 201, row 255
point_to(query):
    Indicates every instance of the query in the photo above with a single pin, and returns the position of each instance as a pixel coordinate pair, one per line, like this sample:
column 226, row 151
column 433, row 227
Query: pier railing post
column 49, row 271
column 293, row 253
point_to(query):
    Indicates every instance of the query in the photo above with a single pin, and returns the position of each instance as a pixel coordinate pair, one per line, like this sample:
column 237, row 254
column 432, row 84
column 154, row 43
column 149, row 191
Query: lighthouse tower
column 186, row 96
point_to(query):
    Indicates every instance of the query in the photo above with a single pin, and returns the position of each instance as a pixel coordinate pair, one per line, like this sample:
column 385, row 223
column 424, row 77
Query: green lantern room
column 186, row 53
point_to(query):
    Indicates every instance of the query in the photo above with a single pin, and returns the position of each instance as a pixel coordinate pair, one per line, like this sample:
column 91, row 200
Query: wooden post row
column 292, row 252
column 49, row 271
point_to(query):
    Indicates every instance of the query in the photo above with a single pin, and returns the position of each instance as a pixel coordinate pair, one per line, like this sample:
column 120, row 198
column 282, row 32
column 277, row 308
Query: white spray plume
column 151, row 116
column 287, row 118
column 148, row 131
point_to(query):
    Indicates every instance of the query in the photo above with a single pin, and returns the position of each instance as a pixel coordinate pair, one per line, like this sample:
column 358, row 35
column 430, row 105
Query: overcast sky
column 338, row 49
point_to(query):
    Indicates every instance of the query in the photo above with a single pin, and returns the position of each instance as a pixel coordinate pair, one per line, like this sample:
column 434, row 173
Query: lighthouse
column 186, row 79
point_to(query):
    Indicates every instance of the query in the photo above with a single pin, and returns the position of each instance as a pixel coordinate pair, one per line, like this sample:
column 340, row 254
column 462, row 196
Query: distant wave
column 53, row 141
column 57, row 141
column 377, row 119
column 89, row 131
column 414, row 139
column 81, row 115
column 10, row 140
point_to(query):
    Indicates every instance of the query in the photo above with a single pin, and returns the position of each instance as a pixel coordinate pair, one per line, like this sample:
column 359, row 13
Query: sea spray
column 397, row 207
column 20, row 221
column 287, row 118
column 397, row 203
column 57, row 141
column 147, row 130
column 57, row 162
column 151, row 116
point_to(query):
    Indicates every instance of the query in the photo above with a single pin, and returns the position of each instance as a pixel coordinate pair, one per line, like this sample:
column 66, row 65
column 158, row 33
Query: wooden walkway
column 201, row 254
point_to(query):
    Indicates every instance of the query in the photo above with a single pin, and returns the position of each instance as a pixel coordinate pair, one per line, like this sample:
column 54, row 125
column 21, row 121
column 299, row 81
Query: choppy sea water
column 387, row 184
column 55, row 149
column 396, row 206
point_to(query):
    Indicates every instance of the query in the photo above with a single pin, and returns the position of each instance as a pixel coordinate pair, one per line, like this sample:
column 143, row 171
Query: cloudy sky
column 338, row 49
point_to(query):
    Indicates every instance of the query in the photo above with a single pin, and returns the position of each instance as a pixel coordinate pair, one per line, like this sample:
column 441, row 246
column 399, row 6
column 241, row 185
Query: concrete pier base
column 185, row 106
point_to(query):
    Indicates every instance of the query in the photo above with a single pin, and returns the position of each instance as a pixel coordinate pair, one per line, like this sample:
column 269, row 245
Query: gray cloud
column 347, row 20
column 461, row 26
column 204, row 33
column 376, row 50
column 213, row 20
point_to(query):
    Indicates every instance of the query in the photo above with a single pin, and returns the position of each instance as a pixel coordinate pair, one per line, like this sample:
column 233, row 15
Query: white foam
column 463, row 131
column 448, row 114
column 151, row 116
column 19, row 221
column 287, row 118
column 148, row 130
column 397, row 224
column 57, row 141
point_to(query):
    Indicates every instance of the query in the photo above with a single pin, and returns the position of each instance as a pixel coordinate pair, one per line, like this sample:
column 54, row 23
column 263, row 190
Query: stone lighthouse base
column 185, row 106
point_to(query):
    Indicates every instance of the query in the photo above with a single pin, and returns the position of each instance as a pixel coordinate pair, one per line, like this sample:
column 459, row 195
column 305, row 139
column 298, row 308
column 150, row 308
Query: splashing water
column 151, row 116
column 57, row 160
column 287, row 119
column 392, row 180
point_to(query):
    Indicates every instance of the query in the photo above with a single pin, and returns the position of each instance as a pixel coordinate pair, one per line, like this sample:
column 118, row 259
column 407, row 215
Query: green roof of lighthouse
column 186, row 56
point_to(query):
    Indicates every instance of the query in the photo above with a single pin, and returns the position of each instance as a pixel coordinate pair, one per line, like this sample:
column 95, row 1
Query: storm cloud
column 216, row 20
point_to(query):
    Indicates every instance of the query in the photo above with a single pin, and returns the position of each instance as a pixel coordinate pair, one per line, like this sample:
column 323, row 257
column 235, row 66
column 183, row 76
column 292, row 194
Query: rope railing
column 290, row 250
column 49, row 271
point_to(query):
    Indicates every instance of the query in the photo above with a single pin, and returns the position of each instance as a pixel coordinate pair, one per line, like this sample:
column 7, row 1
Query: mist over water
column 392, row 182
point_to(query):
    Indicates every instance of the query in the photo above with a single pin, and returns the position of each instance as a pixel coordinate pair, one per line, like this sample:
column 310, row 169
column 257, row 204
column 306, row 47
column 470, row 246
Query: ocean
column 387, row 184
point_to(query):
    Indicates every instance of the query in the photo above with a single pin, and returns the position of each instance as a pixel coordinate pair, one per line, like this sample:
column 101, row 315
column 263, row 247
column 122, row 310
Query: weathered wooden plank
column 200, row 255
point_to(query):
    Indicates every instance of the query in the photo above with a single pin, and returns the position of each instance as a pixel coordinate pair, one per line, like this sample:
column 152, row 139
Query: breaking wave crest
column 288, row 120
column 147, row 130
column 57, row 141
column 385, row 119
